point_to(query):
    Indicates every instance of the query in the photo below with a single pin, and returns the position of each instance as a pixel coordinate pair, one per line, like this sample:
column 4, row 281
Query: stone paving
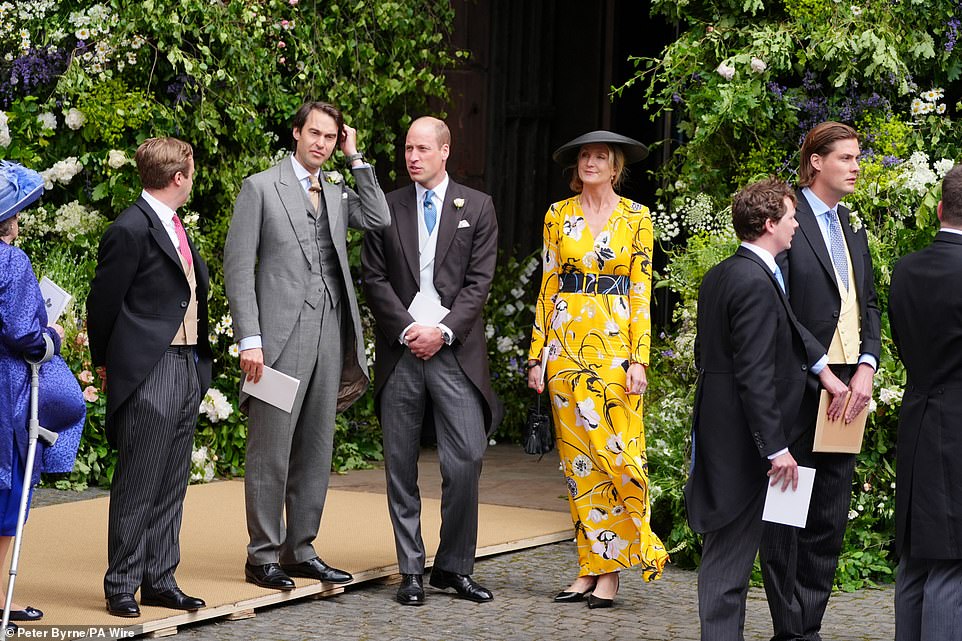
column 523, row 583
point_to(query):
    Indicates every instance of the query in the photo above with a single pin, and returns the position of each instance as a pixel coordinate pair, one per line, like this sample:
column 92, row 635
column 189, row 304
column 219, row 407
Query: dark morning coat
column 752, row 368
column 813, row 293
column 137, row 301
column 925, row 309
column 464, row 265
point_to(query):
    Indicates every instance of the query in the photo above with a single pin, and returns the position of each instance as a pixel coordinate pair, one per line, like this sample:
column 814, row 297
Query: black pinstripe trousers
column 155, row 435
column 798, row 564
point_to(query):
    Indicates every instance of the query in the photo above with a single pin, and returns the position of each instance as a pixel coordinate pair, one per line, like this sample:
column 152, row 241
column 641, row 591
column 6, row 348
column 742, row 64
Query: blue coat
column 23, row 323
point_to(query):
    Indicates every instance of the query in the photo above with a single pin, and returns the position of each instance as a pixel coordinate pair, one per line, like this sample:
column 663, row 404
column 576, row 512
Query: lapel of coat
column 407, row 230
column 332, row 200
column 291, row 193
column 160, row 235
column 808, row 225
column 450, row 218
column 747, row 253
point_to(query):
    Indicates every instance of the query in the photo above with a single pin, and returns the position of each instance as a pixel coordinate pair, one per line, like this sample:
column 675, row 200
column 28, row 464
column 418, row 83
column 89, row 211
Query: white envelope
column 791, row 506
column 55, row 298
column 427, row 311
column 275, row 388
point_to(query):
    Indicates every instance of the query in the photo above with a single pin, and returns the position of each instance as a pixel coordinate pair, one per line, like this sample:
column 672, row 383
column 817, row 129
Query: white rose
column 758, row 65
column 116, row 158
column 726, row 71
column 74, row 118
column 48, row 120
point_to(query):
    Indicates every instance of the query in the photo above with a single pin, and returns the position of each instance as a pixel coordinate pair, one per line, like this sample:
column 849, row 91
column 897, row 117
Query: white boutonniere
column 333, row 177
column 458, row 203
column 855, row 221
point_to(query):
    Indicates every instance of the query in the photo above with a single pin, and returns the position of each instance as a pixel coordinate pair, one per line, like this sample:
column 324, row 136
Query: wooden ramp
column 65, row 554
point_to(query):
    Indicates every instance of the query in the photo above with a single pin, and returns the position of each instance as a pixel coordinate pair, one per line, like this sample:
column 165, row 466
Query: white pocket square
column 463, row 224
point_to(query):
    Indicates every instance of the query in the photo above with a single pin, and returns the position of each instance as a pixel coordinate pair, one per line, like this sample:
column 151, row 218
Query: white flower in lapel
column 190, row 220
column 333, row 177
column 855, row 221
column 458, row 203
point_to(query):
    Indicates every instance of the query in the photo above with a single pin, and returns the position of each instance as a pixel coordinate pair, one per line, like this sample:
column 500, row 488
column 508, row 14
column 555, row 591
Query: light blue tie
column 837, row 247
column 430, row 212
column 778, row 277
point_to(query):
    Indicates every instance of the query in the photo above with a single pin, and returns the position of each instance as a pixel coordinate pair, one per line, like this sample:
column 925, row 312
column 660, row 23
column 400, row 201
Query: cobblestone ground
column 523, row 584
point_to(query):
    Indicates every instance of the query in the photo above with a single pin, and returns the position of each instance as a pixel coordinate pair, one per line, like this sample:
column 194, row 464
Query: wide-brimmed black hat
column 567, row 154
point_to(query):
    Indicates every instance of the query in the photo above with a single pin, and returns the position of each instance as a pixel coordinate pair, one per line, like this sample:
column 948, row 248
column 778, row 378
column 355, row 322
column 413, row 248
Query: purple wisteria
column 32, row 71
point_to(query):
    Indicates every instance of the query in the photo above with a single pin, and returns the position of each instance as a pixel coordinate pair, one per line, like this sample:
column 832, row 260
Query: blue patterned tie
column 837, row 247
column 430, row 212
column 778, row 277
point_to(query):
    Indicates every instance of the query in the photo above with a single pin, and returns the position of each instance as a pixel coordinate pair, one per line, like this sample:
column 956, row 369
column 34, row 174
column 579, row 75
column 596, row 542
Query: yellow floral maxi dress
column 591, row 339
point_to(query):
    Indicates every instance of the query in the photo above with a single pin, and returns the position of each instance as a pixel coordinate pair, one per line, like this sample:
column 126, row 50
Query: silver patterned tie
column 837, row 246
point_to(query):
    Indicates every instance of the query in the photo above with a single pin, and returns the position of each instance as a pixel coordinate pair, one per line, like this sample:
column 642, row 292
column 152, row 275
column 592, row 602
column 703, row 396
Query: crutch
column 34, row 431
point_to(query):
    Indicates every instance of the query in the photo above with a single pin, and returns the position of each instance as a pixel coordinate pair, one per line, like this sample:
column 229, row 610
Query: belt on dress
column 590, row 283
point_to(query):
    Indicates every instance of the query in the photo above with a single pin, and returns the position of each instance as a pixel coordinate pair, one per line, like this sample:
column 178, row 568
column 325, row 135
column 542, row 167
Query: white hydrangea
column 48, row 121
column 116, row 159
column 73, row 219
column 917, row 176
column 216, row 406
column 201, row 466
column 62, row 172
column 758, row 65
column 890, row 395
column 505, row 344
column 667, row 224
column 5, row 139
column 74, row 118
column 942, row 167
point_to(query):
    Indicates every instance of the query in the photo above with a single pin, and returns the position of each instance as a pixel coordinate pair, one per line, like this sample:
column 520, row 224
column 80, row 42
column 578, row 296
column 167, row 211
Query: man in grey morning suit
column 925, row 308
column 294, row 310
column 147, row 321
column 441, row 245
column 752, row 371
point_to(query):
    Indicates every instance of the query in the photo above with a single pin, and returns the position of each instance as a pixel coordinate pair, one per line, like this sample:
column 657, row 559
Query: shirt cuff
column 870, row 360
column 250, row 342
column 404, row 333
column 819, row 365
column 784, row 450
column 446, row 333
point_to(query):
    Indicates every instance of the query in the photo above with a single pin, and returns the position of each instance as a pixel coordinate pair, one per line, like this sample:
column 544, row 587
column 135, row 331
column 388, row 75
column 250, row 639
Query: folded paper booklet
column 790, row 507
column 275, row 388
column 544, row 366
column 838, row 436
column 55, row 299
column 427, row 311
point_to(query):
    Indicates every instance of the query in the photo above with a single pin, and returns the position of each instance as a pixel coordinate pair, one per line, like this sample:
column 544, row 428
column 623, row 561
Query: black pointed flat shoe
column 571, row 597
column 27, row 614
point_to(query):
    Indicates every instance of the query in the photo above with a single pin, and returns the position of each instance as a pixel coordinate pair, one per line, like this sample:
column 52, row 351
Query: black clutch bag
column 538, row 434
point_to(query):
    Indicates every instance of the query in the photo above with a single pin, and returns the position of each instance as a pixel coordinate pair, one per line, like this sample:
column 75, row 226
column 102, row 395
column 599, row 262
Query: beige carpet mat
column 65, row 553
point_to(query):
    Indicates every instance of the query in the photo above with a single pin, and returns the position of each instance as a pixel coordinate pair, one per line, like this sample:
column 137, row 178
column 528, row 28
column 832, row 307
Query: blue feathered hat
column 19, row 188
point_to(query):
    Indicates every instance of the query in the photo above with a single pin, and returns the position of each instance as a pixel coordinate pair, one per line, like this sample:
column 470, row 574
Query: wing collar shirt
column 820, row 209
column 426, row 245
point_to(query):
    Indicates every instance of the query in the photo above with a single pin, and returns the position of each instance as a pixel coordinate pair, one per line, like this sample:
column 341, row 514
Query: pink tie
column 182, row 241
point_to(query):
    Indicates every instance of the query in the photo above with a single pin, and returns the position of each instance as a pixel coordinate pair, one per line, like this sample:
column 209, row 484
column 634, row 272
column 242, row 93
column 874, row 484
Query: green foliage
column 226, row 77
column 742, row 91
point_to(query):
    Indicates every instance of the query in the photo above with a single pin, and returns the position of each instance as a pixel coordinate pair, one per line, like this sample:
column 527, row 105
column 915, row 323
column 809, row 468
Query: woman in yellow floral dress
column 593, row 319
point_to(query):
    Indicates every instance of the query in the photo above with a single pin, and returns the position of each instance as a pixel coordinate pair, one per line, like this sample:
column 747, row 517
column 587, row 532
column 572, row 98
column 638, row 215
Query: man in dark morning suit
column 294, row 309
column 147, row 324
column 830, row 284
column 441, row 245
column 925, row 310
column 752, row 368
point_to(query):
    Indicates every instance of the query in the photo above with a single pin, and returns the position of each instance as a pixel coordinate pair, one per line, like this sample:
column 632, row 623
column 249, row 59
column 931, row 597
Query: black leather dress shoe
column 317, row 570
column 123, row 605
column 26, row 614
column 269, row 575
column 411, row 591
column 173, row 598
column 463, row 584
